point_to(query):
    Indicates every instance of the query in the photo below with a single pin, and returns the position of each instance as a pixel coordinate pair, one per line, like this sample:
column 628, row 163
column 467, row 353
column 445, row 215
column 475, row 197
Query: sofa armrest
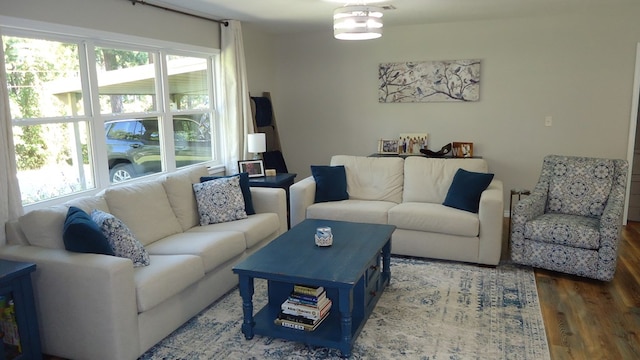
column 85, row 303
column 302, row 195
column 491, row 215
column 271, row 200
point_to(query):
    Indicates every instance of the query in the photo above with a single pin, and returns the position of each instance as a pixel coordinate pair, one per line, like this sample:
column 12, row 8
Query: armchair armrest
column 272, row 200
column 611, row 219
column 85, row 303
column 532, row 206
column 491, row 214
column 302, row 195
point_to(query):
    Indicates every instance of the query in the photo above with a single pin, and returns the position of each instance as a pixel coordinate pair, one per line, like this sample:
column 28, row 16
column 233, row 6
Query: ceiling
column 290, row 16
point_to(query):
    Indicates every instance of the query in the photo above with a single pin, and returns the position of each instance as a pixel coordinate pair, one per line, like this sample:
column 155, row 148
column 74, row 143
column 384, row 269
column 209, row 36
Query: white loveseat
column 409, row 194
column 92, row 306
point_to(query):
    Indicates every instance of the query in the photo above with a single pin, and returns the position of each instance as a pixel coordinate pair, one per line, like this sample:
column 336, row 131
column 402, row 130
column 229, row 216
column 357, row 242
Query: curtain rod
column 134, row 2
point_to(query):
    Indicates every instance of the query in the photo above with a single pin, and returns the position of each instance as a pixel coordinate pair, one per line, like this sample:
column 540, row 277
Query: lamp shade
column 256, row 143
column 357, row 22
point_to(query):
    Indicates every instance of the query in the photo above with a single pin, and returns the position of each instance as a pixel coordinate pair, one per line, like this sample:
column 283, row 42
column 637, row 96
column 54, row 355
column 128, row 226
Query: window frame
column 87, row 40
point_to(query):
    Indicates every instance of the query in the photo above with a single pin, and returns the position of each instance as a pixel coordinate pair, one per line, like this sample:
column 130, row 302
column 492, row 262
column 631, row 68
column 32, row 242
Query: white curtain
column 10, row 201
column 237, row 119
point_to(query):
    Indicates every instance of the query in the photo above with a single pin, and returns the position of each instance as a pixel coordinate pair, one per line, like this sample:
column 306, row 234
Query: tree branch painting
column 429, row 81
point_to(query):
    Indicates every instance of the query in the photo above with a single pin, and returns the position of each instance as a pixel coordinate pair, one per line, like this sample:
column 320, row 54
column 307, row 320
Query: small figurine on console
column 441, row 153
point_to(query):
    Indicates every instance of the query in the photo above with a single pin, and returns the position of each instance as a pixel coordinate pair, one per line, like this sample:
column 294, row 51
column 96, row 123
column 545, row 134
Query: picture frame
column 462, row 149
column 255, row 168
column 388, row 146
column 412, row 143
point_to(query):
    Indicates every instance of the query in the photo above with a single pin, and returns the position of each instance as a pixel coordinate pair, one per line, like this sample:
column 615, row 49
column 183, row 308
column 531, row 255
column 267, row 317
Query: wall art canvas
column 429, row 81
column 412, row 143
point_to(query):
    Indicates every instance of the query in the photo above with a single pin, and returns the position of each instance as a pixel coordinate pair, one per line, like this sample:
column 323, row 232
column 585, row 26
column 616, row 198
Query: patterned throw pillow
column 220, row 200
column 244, row 186
column 120, row 238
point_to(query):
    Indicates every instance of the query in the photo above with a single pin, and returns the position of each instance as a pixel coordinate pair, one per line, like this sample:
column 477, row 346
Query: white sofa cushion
column 428, row 180
column 255, row 227
column 365, row 211
column 89, row 203
column 43, row 227
column 145, row 209
column 371, row 178
column 178, row 186
column 214, row 248
column 436, row 218
column 166, row 276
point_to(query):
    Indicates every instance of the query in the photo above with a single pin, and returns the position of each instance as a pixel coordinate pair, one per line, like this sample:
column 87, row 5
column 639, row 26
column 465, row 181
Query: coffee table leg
column 386, row 262
column 246, row 292
column 345, row 306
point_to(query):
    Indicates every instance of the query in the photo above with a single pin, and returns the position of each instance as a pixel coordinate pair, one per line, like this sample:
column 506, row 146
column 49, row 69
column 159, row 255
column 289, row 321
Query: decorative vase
column 323, row 236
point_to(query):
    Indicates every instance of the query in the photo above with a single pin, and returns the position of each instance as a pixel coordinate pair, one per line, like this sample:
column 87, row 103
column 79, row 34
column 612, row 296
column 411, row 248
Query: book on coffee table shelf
column 308, row 290
column 298, row 325
column 302, row 311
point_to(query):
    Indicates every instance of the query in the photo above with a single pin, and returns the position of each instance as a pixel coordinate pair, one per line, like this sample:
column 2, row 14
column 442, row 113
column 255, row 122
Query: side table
column 281, row 180
column 15, row 283
column 519, row 193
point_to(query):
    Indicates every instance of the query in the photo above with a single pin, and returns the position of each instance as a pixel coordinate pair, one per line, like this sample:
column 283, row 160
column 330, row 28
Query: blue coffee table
column 354, row 271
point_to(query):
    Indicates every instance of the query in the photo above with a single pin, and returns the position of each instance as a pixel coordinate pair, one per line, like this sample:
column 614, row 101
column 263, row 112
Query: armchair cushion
column 580, row 186
column 571, row 230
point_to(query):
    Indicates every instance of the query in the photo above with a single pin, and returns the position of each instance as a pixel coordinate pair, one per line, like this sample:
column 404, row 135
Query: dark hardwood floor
column 588, row 319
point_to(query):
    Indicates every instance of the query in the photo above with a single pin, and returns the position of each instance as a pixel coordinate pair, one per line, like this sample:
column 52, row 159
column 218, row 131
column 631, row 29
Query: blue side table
column 281, row 180
column 15, row 283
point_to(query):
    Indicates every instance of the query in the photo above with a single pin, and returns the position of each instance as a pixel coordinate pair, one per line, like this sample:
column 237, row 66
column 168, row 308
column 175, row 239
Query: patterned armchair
column 572, row 220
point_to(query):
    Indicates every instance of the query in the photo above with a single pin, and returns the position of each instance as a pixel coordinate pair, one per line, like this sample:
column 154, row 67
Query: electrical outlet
column 548, row 120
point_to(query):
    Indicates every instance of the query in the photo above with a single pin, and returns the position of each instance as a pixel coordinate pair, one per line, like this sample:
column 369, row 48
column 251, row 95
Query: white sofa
column 409, row 193
column 92, row 306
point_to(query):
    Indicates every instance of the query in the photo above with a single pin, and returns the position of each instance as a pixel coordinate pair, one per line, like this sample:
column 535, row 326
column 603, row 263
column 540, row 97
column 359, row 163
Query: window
column 90, row 113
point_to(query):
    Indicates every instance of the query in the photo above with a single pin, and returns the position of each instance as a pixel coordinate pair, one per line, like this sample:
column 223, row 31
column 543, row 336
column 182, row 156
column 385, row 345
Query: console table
column 404, row 156
column 15, row 283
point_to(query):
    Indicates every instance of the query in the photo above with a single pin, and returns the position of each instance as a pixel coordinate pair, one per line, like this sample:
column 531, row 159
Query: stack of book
column 305, row 308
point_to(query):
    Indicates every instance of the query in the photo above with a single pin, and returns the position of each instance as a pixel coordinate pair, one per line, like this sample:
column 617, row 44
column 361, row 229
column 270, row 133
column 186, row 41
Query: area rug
column 430, row 310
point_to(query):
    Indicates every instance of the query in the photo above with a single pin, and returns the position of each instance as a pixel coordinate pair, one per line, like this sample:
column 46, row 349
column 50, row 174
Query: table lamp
column 256, row 144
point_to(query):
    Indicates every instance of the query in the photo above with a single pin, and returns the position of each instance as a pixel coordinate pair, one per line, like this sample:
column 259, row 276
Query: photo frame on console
column 255, row 168
column 462, row 149
column 412, row 143
column 388, row 146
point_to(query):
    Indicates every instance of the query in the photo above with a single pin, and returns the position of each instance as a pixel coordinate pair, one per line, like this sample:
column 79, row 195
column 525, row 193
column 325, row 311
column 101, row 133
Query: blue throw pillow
column 244, row 186
column 81, row 234
column 331, row 183
column 465, row 190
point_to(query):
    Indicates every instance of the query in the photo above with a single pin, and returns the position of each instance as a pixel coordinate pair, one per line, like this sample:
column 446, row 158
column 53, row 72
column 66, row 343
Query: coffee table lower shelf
column 327, row 334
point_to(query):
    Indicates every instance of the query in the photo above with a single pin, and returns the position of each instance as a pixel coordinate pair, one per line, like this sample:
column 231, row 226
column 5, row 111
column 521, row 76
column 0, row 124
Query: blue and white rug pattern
column 431, row 310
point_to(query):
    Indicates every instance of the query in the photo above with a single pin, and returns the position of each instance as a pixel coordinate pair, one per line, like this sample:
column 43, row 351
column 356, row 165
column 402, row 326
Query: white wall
column 118, row 16
column 578, row 68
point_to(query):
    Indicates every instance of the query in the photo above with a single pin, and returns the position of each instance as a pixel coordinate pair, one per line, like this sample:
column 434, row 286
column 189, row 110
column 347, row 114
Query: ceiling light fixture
column 357, row 22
